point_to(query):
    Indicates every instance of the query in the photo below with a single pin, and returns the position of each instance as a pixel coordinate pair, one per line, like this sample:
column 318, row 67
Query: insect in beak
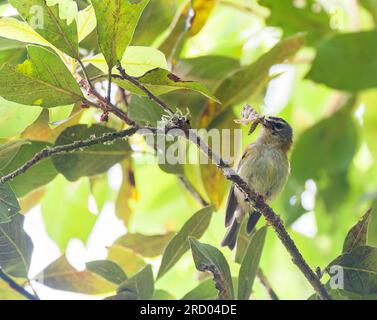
column 255, row 124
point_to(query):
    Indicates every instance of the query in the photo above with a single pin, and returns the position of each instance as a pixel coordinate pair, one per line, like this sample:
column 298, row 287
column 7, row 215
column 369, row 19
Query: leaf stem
column 150, row 95
column 109, row 87
column 263, row 279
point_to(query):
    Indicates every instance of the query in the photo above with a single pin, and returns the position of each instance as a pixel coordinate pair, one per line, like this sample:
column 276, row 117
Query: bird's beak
column 266, row 123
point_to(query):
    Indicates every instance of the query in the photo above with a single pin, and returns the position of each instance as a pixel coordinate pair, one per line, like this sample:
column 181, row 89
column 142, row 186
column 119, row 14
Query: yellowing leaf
column 53, row 20
column 136, row 60
column 14, row 29
column 86, row 22
column 61, row 275
column 126, row 193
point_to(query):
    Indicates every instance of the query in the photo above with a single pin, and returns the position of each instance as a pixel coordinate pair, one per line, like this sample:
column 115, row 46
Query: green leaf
column 371, row 6
column 360, row 270
column 92, row 160
column 194, row 227
column 136, row 61
column 346, row 61
column 243, row 241
column 108, row 270
column 9, row 150
column 15, row 118
column 329, row 155
column 141, row 284
column 37, row 176
column 160, row 81
column 248, row 81
column 116, row 24
column 311, row 18
column 161, row 12
column 43, row 80
column 11, row 51
column 162, row 295
column 144, row 111
column 147, row 246
column 102, row 193
column 181, row 30
column 250, row 264
column 206, row 290
column 358, row 235
column 209, row 259
column 52, row 22
column 71, row 220
column 61, row 275
column 59, row 115
column 128, row 260
column 126, row 295
column 16, row 247
column 9, row 205
column 209, row 70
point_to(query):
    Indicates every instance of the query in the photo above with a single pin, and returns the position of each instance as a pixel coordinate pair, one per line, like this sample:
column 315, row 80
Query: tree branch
column 263, row 279
column 104, row 105
column 48, row 152
column 16, row 287
column 250, row 196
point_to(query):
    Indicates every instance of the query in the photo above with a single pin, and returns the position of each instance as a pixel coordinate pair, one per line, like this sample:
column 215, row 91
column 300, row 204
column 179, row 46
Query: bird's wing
column 231, row 207
column 232, row 204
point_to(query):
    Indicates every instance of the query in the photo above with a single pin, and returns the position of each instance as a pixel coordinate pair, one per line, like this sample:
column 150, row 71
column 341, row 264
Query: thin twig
column 109, row 87
column 86, row 74
column 191, row 189
column 48, row 152
column 16, row 287
column 104, row 105
column 263, row 279
column 150, row 95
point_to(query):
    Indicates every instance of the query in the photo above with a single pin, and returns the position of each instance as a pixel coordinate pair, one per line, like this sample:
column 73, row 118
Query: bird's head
column 277, row 131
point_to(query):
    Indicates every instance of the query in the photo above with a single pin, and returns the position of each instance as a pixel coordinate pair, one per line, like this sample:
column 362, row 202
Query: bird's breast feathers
column 265, row 169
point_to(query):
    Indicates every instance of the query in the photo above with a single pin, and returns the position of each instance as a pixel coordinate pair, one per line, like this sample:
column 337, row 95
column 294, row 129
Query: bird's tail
column 230, row 238
column 252, row 222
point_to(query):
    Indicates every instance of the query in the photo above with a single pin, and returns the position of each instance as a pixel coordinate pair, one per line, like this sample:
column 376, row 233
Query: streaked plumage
column 265, row 167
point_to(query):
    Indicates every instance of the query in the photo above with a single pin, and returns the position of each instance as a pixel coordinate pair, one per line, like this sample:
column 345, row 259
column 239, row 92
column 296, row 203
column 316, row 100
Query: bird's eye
column 278, row 126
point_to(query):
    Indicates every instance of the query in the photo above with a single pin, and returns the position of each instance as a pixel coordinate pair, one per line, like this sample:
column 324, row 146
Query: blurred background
column 328, row 101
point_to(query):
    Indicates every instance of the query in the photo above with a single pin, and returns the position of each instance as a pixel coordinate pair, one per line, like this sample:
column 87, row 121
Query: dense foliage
column 311, row 62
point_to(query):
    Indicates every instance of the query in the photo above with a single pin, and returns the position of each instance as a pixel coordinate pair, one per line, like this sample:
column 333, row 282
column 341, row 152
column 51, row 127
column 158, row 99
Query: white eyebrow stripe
column 276, row 120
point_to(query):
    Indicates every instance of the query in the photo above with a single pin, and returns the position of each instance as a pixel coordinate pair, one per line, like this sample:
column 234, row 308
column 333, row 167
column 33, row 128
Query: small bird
column 265, row 168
